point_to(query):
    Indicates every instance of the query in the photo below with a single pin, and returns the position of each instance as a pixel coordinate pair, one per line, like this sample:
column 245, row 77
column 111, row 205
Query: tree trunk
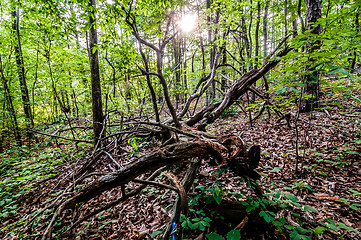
column 311, row 90
column 256, row 34
column 357, row 26
column 224, row 62
column 300, row 15
column 97, row 106
column 265, row 34
column 250, row 30
column 149, row 83
column 21, row 71
column 178, row 68
column 286, row 12
column 10, row 107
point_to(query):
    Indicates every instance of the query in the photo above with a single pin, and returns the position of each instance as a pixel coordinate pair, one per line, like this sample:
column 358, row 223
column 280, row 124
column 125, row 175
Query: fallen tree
column 179, row 145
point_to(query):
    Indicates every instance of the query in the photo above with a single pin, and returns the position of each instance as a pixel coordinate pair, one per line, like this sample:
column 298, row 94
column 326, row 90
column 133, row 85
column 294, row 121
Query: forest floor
column 320, row 201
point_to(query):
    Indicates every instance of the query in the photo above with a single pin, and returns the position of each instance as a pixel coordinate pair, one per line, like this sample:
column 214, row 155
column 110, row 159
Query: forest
column 180, row 119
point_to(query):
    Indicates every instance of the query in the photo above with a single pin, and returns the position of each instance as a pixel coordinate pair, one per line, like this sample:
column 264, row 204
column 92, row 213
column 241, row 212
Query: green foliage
column 18, row 169
column 135, row 146
column 231, row 235
column 200, row 222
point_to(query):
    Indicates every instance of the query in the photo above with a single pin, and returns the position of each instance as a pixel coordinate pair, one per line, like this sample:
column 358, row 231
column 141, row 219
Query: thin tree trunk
column 97, row 106
column 286, row 12
column 265, row 33
column 311, row 89
column 224, row 62
column 185, row 81
column 357, row 26
column 21, row 71
column 300, row 15
column 256, row 34
column 250, row 30
column 177, row 68
column 165, row 88
column 10, row 107
column 149, row 83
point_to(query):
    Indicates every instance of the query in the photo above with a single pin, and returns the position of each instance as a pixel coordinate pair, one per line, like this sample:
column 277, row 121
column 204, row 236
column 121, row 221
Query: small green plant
column 303, row 187
column 353, row 206
column 231, row 235
column 135, row 146
column 331, row 225
column 200, row 222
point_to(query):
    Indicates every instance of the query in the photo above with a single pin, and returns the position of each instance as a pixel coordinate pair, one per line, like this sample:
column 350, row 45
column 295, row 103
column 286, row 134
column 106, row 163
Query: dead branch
column 56, row 136
column 238, row 88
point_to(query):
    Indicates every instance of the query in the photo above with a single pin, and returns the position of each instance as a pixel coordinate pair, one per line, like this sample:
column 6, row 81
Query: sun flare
column 188, row 22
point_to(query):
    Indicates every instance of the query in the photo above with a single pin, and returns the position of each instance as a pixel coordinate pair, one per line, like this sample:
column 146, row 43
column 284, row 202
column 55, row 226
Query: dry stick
column 279, row 113
column 56, row 136
column 267, row 94
column 260, row 112
column 182, row 195
column 249, row 110
column 111, row 158
column 166, row 186
column 305, row 137
column 241, row 225
column 119, row 200
column 297, row 134
column 52, row 203
column 171, row 128
column 187, row 184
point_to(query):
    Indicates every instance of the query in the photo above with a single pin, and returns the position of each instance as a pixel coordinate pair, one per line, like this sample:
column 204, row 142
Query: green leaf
column 104, row 224
column 265, row 216
column 309, row 209
column 214, row 236
column 218, row 199
column 281, row 90
column 291, row 197
column 155, row 233
column 352, row 206
column 234, row 235
column 319, row 230
column 344, row 226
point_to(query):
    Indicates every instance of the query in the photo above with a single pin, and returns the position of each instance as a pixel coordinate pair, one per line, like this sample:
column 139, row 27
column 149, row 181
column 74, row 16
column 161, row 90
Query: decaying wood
column 229, row 150
column 243, row 158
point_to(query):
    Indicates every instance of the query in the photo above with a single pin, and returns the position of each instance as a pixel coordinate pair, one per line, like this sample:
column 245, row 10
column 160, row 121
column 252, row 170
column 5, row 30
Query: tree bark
column 357, row 26
column 256, row 33
column 310, row 92
column 21, row 71
column 285, row 19
column 265, row 33
column 97, row 106
column 10, row 107
column 250, row 30
column 149, row 83
column 300, row 15
column 178, row 68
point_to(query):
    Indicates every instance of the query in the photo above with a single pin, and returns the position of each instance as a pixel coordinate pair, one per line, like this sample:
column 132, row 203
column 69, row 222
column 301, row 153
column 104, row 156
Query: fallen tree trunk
column 228, row 149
